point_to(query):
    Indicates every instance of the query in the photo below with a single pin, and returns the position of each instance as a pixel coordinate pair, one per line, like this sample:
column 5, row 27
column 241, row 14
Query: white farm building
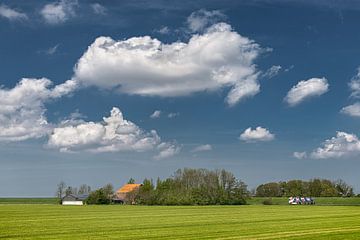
column 72, row 199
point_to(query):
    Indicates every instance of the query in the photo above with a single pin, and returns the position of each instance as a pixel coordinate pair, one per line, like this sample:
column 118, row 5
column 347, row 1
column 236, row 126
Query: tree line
column 314, row 188
column 193, row 187
column 185, row 187
column 207, row 187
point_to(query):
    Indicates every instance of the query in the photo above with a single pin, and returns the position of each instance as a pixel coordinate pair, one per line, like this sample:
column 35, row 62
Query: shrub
column 267, row 201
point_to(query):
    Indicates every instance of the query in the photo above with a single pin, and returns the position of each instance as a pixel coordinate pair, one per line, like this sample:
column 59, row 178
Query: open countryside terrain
column 323, row 201
column 48, row 221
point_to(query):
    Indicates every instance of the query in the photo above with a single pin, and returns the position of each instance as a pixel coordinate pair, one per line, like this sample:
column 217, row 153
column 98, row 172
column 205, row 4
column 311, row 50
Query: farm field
column 29, row 201
column 35, row 221
column 324, row 201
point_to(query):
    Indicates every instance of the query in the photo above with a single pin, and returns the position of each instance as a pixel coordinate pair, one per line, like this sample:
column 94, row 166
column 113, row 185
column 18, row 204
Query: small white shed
column 72, row 199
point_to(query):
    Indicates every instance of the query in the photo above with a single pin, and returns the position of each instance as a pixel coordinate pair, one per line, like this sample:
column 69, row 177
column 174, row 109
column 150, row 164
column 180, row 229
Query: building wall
column 78, row 203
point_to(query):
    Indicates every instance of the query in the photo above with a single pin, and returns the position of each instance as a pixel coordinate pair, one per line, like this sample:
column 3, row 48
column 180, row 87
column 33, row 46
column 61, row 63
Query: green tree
column 269, row 190
column 131, row 181
column 315, row 187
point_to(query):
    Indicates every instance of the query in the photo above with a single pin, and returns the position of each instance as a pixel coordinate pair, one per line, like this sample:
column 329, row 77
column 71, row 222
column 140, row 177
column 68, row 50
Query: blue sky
column 97, row 92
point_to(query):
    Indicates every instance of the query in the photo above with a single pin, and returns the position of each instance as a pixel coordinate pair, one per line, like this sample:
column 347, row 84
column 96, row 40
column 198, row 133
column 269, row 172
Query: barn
column 74, row 199
column 126, row 193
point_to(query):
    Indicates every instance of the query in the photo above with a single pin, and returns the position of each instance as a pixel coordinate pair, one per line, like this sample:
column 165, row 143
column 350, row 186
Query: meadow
column 49, row 221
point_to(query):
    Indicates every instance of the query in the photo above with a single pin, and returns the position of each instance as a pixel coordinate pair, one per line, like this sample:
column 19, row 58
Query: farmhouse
column 126, row 193
column 73, row 199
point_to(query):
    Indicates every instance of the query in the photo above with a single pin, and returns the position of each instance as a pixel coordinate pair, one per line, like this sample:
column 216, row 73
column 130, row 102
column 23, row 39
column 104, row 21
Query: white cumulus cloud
column 114, row 134
column 201, row 19
column 59, row 12
column 352, row 110
column 202, row 148
column 22, row 110
column 306, row 89
column 216, row 59
column 258, row 134
column 167, row 150
column 12, row 14
column 342, row 145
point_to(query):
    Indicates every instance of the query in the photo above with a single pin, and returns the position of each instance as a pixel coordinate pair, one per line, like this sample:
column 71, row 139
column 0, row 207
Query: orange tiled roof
column 128, row 188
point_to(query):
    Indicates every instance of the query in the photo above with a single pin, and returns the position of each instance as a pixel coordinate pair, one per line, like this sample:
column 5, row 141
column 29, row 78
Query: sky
column 98, row 92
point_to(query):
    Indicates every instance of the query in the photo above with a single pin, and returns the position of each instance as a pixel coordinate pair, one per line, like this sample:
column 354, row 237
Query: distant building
column 126, row 193
column 73, row 199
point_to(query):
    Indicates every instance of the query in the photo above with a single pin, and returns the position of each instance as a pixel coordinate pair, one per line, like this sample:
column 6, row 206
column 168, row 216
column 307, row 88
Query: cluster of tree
column 192, row 187
column 103, row 195
column 207, row 187
column 63, row 190
column 315, row 188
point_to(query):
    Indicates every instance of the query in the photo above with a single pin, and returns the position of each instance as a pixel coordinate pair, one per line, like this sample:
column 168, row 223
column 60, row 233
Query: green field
column 29, row 201
column 324, row 201
column 35, row 221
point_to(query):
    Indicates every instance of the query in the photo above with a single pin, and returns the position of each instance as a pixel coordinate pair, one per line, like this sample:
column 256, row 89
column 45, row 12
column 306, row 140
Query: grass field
column 29, row 201
column 324, row 201
column 32, row 221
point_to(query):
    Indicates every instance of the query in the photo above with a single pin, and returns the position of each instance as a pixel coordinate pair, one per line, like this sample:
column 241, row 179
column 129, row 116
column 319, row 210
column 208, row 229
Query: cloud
column 77, row 115
column 219, row 58
column 59, row 12
column 305, row 90
column 202, row 148
column 164, row 30
column 22, row 110
column 352, row 110
column 342, row 145
column 52, row 50
column 167, row 150
column 258, row 134
column 355, row 85
column 12, row 14
column 300, row 155
column 114, row 134
column 155, row 114
column 173, row 115
column 22, row 117
column 98, row 9
column 201, row 19
column 272, row 71
column 289, row 68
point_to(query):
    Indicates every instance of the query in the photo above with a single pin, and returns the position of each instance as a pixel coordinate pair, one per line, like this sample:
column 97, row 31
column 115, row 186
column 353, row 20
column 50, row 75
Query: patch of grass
column 179, row 222
column 29, row 201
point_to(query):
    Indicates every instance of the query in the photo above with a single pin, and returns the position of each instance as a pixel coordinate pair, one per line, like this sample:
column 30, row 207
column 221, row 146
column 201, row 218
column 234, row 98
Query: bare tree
column 84, row 189
column 68, row 190
column 344, row 189
column 60, row 189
